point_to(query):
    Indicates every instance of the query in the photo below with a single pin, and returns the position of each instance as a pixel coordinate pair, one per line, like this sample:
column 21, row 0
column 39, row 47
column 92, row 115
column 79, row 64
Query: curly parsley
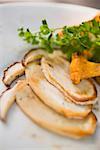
column 74, row 39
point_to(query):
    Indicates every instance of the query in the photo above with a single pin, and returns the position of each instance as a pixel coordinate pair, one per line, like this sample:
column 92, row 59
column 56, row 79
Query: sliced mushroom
column 2, row 87
column 7, row 99
column 33, row 55
column 12, row 72
column 57, row 73
column 40, row 113
column 57, row 53
column 51, row 96
column 96, row 107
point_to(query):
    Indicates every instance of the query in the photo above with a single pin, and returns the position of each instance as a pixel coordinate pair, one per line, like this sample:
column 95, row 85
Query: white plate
column 19, row 132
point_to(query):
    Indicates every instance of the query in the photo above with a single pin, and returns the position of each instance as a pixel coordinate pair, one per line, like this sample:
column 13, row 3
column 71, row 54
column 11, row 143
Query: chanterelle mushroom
column 81, row 68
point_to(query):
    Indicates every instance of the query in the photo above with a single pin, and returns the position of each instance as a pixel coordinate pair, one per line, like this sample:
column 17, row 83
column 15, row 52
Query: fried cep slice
column 57, row 53
column 2, row 86
column 57, row 73
column 51, row 96
column 33, row 55
column 45, row 117
column 7, row 99
column 81, row 68
column 12, row 72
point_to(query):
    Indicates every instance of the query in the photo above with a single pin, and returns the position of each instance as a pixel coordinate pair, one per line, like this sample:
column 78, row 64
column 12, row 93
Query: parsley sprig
column 86, row 36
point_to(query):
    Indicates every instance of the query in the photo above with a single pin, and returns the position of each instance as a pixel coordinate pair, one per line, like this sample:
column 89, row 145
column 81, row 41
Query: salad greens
column 86, row 36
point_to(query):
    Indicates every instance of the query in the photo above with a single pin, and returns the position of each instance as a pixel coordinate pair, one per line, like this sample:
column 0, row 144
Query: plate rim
column 48, row 4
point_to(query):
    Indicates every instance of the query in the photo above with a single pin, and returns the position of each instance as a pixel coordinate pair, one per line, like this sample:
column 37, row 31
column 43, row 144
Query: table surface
column 90, row 3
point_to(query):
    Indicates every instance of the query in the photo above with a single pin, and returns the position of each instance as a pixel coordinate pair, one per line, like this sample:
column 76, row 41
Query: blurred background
column 90, row 3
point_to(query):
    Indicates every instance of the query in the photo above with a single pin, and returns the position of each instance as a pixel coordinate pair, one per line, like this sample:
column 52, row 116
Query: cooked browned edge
column 4, row 74
column 4, row 120
column 25, row 55
column 90, row 98
column 73, row 98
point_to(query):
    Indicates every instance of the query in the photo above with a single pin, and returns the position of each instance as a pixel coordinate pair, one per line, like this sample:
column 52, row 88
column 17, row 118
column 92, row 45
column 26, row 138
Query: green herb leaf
column 75, row 39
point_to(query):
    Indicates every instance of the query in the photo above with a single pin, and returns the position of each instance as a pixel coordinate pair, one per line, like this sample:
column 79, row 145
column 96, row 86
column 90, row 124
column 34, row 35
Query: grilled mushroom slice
column 12, row 72
column 33, row 55
column 57, row 53
column 2, row 86
column 7, row 99
column 57, row 73
column 38, row 112
column 51, row 96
